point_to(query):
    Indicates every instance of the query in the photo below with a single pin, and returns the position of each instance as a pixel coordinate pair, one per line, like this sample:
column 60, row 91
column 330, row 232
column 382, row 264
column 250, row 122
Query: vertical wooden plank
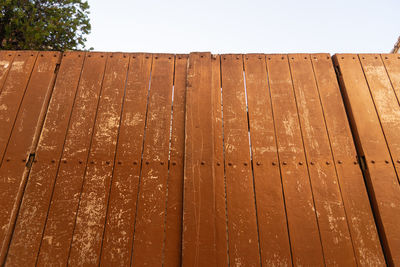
column 386, row 103
column 174, row 210
column 302, row 222
column 274, row 237
column 6, row 59
column 60, row 222
column 359, row 214
column 221, row 227
column 392, row 65
column 150, row 218
column 89, row 226
column 242, row 221
column 118, row 236
column 23, row 140
column 12, row 94
column 380, row 176
column 34, row 207
column 198, row 245
column 334, row 231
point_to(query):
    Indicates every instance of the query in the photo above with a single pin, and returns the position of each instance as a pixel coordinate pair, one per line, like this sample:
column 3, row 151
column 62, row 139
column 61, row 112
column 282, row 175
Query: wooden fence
column 119, row 159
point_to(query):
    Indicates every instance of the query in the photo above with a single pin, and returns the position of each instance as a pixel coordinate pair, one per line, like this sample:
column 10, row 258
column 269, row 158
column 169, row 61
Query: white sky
column 223, row 26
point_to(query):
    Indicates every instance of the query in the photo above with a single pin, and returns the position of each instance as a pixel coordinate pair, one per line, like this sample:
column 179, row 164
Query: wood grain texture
column 381, row 178
column 241, row 210
column 355, row 198
column 29, row 116
column 198, row 244
column 302, row 220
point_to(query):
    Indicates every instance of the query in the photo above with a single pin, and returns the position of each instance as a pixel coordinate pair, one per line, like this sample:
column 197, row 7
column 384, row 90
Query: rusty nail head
column 92, row 162
column 339, row 161
column 218, row 164
column 107, row 162
column 386, row 161
column 202, row 163
column 8, row 160
column 258, row 163
column 273, row 163
column 300, row 163
column 162, row 162
column 355, row 162
column 174, row 163
column 147, row 163
column 52, row 161
column 327, row 163
column 65, row 161
column 245, row 163
column 80, row 162
column 372, row 161
column 312, row 162
column 284, row 163
column 398, row 161
column 230, row 164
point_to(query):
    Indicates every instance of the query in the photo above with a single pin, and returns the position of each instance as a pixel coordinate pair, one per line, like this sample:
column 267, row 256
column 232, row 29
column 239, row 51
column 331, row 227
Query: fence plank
column 302, row 221
column 118, row 236
column 274, row 236
column 242, row 220
column 198, row 244
column 60, row 222
column 381, row 177
column 89, row 228
column 34, row 207
column 6, row 59
column 359, row 214
column 334, row 231
column 24, row 137
column 174, row 211
column 150, row 218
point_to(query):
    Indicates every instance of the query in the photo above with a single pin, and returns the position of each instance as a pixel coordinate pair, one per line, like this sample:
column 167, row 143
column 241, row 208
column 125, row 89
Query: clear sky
column 231, row 26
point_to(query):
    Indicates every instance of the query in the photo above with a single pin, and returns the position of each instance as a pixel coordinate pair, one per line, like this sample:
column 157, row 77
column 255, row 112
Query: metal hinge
column 30, row 160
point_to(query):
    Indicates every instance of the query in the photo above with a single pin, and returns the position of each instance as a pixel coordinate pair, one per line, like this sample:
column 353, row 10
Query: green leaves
column 44, row 25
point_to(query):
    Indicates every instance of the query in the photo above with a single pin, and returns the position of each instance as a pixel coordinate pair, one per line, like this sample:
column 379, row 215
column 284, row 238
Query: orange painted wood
column 361, row 223
column 380, row 176
column 12, row 94
column 386, row 103
column 34, row 207
column 242, row 221
column 198, row 240
column 302, row 222
column 118, row 235
column 6, row 59
column 89, row 226
column 23, row 140
column 151, row 206
column 174, row 211
column 221, row 227
column 60, row 222
column 334, row 230
column 274, row 236
column 392, row 65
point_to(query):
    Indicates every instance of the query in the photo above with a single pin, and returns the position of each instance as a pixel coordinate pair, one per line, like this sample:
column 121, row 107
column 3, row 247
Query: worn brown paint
column 23, row 138
column 89, row 227
column 241, row 210
column 118, row 235
column 150, row 216
column 34, row 207
column 359, row 214
column 381, row 177
column 301, row 153
column 60, row 223
column 302, row 221
column 274, row 236
column 198, row 237
column 174, row 212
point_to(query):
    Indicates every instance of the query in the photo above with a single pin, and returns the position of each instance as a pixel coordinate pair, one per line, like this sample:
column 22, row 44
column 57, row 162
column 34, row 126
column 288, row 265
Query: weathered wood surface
column 135, row 159
column 375, row 119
